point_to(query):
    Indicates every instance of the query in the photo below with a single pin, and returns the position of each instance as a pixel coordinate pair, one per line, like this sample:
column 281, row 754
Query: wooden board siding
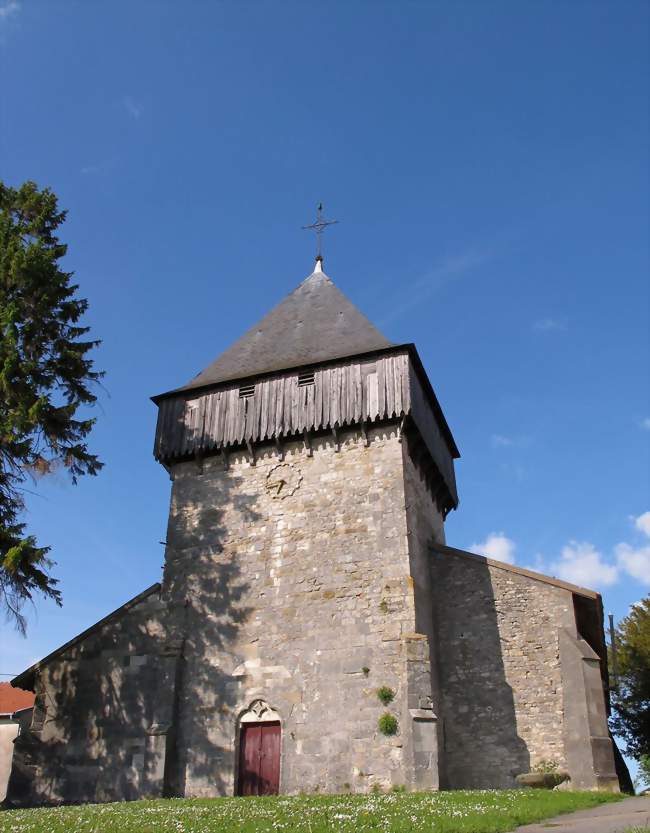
column 369, row 390
column 429, row 430
column 341, row 395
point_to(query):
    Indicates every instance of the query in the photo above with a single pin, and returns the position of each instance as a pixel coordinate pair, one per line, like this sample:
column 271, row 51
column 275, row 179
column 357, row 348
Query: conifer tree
column 46, row 377
column 631, row 699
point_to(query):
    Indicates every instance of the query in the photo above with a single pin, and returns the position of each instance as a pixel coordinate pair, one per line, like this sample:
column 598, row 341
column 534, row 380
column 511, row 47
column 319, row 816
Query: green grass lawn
column 478, row 811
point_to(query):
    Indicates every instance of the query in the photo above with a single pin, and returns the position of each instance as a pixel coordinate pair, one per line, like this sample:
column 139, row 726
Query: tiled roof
column 13, row 699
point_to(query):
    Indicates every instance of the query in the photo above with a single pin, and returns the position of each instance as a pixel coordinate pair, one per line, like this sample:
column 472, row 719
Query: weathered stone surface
column 542, row 780
column 502, row 683
column 305, row 591
column 96, row 705
column 306, row 588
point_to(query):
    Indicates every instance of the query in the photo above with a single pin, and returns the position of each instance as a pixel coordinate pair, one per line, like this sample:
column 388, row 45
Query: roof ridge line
column 85, row 633
column 513, row 568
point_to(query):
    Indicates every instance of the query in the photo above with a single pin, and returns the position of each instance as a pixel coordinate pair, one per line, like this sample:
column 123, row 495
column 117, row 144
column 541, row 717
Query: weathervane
column 319, row 227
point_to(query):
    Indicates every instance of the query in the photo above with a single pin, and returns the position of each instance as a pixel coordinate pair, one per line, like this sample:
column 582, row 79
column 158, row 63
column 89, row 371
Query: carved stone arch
column 259, row 711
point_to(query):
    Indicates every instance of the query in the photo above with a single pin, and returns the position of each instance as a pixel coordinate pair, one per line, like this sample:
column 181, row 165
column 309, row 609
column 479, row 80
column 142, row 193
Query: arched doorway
column 259, row 751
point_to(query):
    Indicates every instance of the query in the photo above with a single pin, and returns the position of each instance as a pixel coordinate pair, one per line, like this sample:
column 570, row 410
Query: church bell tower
column 312, row 469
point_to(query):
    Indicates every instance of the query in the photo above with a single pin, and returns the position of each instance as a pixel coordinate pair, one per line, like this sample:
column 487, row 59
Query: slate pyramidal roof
column 315, row 323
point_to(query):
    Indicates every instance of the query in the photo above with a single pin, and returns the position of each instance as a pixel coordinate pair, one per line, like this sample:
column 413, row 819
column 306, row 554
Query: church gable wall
column 501, row 677
column 99, row 703
column 297, row 579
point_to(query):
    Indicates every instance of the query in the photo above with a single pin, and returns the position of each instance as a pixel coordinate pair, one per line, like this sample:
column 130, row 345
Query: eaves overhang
column 190, row 393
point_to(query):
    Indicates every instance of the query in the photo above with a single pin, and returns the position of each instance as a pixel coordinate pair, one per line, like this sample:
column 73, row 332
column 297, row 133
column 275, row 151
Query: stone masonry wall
column 297, row 582
column 8, row 732
column 425, row 525
column 101, row 711
column 502, row 706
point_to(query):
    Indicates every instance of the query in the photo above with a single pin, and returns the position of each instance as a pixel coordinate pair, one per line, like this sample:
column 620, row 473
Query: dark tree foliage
column 45, row 377
column 644, row 771
column 631, row 700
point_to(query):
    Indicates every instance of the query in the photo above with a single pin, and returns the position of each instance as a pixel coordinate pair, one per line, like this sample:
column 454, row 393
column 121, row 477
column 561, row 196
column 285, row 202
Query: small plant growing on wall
column 366, row 670
column 386, row 695
column 546, row 767
column 387, row 724
column 383, row 606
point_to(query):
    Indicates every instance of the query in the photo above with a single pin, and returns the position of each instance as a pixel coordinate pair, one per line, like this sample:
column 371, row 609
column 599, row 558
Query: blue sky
column 488, row 164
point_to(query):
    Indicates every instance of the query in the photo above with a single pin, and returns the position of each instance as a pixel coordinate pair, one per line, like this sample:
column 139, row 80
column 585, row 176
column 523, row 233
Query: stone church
column 312, row 630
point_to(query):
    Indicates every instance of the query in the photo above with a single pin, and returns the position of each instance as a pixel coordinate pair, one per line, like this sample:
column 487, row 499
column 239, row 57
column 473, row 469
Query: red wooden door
column 259, row 759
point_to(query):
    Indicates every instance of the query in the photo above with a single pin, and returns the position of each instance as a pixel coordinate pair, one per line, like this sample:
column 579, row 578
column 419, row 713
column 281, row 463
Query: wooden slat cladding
column 428, row 428
column 280, row 407
column 385, row 387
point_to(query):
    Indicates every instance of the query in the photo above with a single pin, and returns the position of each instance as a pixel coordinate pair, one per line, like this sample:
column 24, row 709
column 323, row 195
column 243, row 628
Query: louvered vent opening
column 305, row 379
column 246, row 391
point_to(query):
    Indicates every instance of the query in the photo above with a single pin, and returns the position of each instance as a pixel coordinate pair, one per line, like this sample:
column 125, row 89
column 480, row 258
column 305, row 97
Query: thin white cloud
column 635, row 561
column 642, row 523
column 132, row 107
column 504, row 441
column 8, row 8
column 103, row 166
column 448, row 270
column 547, row 325
column 581, row 563
column 645, row 424
column 514, row 470
column 497, row 546
column 538, row 565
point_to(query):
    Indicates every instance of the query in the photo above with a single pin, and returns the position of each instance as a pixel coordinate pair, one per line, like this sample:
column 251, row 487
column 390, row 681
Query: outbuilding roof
column 314, row 323
column 14, row 699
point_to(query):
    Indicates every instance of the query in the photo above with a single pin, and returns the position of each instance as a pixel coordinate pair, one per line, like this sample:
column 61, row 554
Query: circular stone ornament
column 283, row 481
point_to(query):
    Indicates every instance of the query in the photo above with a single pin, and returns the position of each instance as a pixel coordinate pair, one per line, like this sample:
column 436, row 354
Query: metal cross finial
column 318, row 227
